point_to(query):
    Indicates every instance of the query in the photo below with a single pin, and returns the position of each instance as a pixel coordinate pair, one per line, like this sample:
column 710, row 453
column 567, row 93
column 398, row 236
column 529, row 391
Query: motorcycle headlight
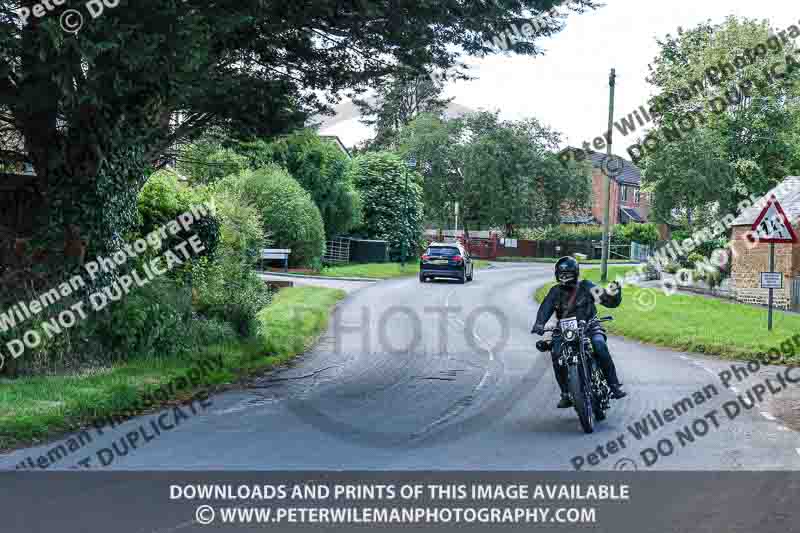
column 569, row 335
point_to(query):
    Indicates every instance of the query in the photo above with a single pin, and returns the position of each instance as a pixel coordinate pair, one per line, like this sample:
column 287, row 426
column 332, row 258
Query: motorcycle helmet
column 567, row 271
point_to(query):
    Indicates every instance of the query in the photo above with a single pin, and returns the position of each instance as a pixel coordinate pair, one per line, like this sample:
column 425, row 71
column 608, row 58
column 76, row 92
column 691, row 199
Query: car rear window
column 443, row 250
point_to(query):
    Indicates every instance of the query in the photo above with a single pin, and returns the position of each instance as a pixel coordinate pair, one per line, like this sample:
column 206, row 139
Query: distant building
column 628, row 202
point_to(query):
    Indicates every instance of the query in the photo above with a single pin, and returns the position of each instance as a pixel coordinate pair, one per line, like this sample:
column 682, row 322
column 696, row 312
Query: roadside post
column 772, row 226
column 607, row 189
column 411, row 163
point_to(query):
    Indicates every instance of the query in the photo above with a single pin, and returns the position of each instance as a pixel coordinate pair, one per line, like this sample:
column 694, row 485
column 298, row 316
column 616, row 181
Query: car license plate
column 439, row 262
column 568, row 323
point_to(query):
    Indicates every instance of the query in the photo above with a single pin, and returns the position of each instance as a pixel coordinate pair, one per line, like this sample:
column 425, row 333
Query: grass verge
column 37, row 408
column 553, row 260
column 380, row 270
column 694, row 323
column 294, row 320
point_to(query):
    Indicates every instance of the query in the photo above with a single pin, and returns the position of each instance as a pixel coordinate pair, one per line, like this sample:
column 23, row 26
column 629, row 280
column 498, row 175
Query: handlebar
column 595, row 319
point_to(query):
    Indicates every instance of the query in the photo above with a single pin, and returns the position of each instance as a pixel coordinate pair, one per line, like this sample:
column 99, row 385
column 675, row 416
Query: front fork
column 599, row 385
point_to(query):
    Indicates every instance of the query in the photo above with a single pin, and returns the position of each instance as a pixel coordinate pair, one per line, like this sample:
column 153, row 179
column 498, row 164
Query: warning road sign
column 772, row 225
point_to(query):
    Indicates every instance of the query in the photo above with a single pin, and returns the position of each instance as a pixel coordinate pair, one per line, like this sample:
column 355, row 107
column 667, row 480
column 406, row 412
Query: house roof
column 630, row 175
column 787, row 193
column 338, row 142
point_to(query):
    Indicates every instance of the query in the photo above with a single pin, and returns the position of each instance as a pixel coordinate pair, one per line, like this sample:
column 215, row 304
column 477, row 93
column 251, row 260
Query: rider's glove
column 538, row 329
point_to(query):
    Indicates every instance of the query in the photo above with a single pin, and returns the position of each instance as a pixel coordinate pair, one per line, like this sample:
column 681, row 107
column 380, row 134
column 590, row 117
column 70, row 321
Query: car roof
column 444, row 245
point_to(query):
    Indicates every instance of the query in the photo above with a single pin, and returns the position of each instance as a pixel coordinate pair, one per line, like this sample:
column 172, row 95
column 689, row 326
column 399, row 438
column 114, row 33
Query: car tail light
column 457, row 258
column 425, row 257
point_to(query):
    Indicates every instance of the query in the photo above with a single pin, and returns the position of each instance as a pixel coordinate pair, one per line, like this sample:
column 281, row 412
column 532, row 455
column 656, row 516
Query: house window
column 624, row 193
column 636, row 196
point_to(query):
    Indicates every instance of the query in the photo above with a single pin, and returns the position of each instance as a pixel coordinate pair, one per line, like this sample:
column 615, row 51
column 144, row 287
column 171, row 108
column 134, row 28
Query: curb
column 304, row 276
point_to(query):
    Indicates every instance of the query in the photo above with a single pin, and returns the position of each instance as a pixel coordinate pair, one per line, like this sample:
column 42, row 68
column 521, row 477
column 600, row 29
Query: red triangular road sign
column 772, row 225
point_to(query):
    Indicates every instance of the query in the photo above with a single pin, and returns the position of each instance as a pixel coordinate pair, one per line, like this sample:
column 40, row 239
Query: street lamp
column 411, row 163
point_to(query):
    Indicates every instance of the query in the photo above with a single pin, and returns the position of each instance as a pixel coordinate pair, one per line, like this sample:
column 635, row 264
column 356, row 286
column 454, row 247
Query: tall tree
column 397, row 100
column 97, row 106
column 685, row 177
column 737, row 82
column 502, row 173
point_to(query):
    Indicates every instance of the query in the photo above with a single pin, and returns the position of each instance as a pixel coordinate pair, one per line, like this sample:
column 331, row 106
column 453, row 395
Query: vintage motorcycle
column 587, row 384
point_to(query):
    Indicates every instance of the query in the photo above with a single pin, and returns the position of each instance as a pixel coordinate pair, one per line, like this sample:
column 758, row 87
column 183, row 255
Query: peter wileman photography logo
column 71, row 20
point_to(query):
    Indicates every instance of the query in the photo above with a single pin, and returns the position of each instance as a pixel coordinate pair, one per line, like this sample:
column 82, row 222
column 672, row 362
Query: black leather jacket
column 558, row 300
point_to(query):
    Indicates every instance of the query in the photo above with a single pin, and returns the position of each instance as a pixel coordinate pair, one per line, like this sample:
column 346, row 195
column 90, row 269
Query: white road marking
column 797, row 450
column 683, row 357
column 768, row 416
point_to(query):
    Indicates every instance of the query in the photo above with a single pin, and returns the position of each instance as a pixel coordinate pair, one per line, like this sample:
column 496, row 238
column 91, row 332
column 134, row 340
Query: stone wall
column 750, row 260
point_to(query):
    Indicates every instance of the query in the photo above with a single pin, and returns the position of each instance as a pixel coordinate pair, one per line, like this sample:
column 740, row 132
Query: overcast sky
column 567, row 88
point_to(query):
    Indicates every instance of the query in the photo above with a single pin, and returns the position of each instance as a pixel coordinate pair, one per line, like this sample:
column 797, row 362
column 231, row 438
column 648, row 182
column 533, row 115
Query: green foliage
column 687, row 175
column 205, row 164
column 149, row 320
column 564, row 232
column 290, row 218
column 399, row 98
column 321, row 168
column 502, row 174
column 646, row 234
column 296, row 317
column 163, row 199
column 392, row 201
column 229, row 289
column 695, row 258
column 748, row 137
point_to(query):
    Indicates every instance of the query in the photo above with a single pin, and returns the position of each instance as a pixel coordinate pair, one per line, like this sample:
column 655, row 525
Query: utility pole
column 607, row 194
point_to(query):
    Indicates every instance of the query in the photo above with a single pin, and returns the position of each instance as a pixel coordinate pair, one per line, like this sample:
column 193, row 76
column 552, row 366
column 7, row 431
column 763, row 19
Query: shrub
column 229, row 290
column 289, row 216
column 152, row 319
column 321, row 168
column 695, row 258
column 162, row 199
column 564, row 232
column 646, row 234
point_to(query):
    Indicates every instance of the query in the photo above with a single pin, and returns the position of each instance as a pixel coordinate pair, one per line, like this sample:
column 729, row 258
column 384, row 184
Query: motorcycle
column 588, row 387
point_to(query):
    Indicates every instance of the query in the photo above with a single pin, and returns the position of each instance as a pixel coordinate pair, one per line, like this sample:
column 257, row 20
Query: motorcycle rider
column 571, row 298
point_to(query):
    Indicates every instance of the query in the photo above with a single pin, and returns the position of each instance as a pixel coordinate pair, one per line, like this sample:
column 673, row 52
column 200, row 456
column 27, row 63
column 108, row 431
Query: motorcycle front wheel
column 581, row 391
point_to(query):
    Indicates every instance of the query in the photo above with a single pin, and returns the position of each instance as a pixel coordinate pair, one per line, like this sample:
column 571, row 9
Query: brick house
column 628, row 202
column 750, row 260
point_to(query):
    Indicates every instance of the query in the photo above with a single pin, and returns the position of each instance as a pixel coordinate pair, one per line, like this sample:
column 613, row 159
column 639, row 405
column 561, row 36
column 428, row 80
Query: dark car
column 445, row 260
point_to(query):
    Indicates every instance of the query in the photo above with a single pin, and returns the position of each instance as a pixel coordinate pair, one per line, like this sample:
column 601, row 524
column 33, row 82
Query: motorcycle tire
column 581, row 391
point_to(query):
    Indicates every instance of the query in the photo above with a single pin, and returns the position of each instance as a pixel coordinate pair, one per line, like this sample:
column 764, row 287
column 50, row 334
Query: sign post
column 772, row 226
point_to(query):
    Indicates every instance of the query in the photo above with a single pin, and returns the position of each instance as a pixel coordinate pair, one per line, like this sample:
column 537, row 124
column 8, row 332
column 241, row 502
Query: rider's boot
column 565, row 401
column 617, row 392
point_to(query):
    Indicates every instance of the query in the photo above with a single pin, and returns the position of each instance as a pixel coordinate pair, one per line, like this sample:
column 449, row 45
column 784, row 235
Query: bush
column 564, row 232
column 695, row 258
column 230, row 291
column 152, row 319
column 289, row 216
column 646, row 234
column 321, row 168
column 162, row 199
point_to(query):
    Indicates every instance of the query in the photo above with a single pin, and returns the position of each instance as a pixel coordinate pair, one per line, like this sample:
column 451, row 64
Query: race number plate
column 568, row 323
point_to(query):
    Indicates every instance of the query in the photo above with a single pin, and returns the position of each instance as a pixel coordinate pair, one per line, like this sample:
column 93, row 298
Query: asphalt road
column 398, row 382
